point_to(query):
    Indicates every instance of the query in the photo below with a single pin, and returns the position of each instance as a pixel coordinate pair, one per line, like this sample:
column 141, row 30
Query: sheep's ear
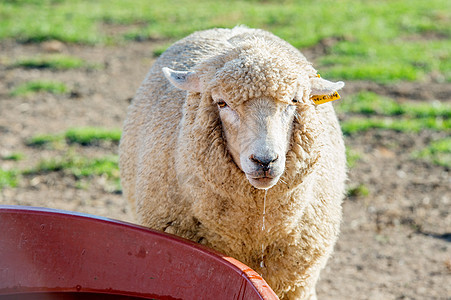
column 322, row 86
column 184, row 80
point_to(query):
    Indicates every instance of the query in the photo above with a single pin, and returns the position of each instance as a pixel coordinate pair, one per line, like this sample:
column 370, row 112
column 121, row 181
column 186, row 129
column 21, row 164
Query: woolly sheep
column 223, row 117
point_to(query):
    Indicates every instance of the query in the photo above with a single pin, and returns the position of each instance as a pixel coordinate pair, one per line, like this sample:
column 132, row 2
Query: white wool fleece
column 179, row 175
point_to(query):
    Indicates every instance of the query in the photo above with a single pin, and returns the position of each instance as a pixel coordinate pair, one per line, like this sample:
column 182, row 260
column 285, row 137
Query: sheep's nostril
column 264, row 162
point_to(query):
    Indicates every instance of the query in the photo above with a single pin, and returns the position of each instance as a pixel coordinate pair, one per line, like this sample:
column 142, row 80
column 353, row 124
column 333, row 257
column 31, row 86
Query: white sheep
column 202, row 146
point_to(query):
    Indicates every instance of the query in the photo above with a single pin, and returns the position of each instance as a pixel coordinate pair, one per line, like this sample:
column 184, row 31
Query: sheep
column 223, row 133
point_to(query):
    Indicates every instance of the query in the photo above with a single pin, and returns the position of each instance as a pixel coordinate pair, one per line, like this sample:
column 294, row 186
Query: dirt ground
column 395, row 242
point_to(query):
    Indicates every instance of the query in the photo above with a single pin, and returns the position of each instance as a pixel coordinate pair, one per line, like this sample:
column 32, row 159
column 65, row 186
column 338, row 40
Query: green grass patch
column 45, row 140
column 424, row 110
column 90, row 135
column 387, row 114
column 369, row 103
column 352, row 157
column 387, row 61
column 8, row 178
column 14, row 156
column 361, row 69
column 359, row 190
column 83, row 136
column 438, row 152
column 358, row 124
column 67, row 21
column 54, row 62
column 31, row 87
column 82, row 168
column 160, row 49
column 79, row 166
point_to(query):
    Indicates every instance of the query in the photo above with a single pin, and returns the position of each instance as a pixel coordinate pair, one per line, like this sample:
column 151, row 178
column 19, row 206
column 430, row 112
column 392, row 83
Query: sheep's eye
column 295, row 100
column 222, row 104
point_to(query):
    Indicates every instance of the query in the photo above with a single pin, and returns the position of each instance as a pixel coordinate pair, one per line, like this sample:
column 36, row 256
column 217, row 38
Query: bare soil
column 395, row 242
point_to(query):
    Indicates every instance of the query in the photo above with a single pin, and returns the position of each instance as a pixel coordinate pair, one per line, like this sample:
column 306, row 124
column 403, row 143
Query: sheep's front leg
column 307, row 290
column 300, row 293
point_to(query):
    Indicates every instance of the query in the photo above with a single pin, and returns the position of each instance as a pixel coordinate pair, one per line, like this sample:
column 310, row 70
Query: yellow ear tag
column 320, row 99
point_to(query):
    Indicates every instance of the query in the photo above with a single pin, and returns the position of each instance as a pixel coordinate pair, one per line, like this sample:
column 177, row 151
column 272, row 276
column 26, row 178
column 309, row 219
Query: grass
column 79, row 166
column 352, row 157
column 359, row 190
column 424, row 110
column 362, row 69
column 13, row 156
column 53, row 62
column 70, row 163
column 358, row 124
column 37, row 86
column 83, row 136
column 370, row 40
column 438, row 152
column 46, row 20
column 387, row 62
column 385, row 113
column 45, row 139
column 369, row 103
column 160, row 49
column 8, row 178
column 91, row 135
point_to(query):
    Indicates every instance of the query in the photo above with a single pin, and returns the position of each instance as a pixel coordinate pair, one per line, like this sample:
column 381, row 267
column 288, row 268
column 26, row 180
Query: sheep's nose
column 264, row 162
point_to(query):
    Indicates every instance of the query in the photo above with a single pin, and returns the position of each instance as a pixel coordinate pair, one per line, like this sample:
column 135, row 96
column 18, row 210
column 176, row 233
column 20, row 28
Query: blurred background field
column 375, row 40
column 68, row 70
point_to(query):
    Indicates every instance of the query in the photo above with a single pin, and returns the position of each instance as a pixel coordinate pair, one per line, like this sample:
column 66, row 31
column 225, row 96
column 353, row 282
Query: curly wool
column 255, row 68
column 177, row 172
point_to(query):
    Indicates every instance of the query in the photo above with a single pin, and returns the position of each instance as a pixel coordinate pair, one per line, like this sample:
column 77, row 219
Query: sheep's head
column 257, row 99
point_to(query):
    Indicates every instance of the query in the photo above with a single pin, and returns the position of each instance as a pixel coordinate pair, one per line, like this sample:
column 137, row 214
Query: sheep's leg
column 300, row 293
column 306, row 291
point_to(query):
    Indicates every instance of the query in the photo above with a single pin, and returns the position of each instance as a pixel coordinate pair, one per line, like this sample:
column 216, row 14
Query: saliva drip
column 262, row 263
column 264, row 210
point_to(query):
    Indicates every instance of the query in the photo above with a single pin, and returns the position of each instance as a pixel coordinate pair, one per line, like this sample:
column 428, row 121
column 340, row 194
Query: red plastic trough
column 51, row 254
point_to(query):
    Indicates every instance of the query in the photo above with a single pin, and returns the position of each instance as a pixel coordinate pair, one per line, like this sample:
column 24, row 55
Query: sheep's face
column 257, row 125
column 257, row 134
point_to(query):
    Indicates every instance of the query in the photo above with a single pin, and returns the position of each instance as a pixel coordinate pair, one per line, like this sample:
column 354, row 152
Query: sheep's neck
column 262, row 262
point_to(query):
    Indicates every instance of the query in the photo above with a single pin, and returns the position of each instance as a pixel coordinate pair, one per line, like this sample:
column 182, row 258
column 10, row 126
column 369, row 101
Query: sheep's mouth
column 262, row 182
